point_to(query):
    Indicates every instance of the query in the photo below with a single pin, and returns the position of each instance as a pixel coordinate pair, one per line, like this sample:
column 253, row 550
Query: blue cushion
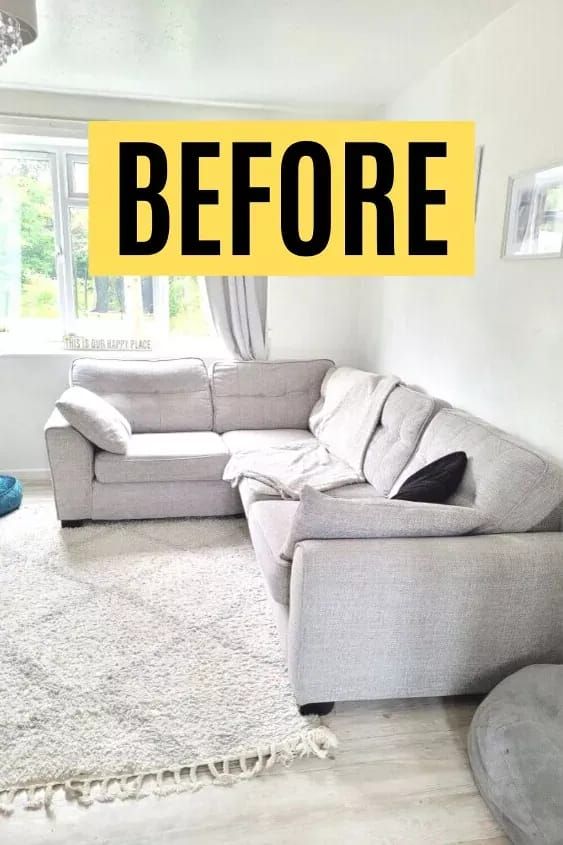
column 10, row 494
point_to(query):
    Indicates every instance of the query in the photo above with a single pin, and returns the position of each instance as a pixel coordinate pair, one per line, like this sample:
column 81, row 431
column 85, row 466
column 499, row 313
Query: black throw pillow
column 436, row 482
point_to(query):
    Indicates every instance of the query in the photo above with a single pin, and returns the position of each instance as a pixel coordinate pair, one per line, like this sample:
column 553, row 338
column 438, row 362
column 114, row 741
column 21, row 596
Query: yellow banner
column 297, row 198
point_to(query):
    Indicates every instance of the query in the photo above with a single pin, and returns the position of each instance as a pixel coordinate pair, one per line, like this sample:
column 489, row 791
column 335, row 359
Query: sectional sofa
column 359, row 618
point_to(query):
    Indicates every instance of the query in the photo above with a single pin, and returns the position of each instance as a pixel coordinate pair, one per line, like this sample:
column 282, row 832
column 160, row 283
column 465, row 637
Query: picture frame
column 533, row 226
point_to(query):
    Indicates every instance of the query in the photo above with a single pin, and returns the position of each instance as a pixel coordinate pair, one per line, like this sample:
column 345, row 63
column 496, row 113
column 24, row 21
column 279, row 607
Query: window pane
column 108, row 306
column 79, row 177
column 29, row 293
column 185, row 308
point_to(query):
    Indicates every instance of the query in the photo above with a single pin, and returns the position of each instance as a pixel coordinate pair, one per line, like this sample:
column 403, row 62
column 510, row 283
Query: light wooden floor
column 400, row 776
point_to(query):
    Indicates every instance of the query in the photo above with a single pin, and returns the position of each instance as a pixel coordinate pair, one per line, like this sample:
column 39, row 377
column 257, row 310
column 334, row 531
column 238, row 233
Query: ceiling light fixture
column 18, row 26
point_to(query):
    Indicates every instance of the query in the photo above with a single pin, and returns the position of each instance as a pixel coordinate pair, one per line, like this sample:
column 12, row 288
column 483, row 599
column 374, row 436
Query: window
column 46, row 292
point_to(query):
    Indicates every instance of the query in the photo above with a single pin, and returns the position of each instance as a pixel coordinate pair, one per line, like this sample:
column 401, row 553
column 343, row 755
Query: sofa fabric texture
column 252, row 491
column 97, row 420
column 516, row 753
column 155, row 396
column 322, row 517
column 179, row 456
column 163, row 500
column 516, row 486
column 71, row 458
column 403, row 617
column 405, row 415
column 251, row 440
column 269, row 524
column 343, row 422
column 351, row 402
column 258, row 395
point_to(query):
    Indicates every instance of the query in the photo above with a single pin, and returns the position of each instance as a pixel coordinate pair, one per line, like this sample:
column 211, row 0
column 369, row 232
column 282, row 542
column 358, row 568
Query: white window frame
column 62, row 153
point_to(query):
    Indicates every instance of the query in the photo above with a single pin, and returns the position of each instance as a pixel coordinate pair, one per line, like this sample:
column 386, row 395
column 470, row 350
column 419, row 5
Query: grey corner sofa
column 358, row 618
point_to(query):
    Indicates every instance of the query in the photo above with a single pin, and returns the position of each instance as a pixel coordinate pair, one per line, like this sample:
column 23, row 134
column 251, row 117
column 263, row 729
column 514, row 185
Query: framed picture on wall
column 533, row 225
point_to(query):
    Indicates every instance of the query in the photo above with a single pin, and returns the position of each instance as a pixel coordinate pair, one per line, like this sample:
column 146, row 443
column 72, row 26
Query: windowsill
column 206, row 348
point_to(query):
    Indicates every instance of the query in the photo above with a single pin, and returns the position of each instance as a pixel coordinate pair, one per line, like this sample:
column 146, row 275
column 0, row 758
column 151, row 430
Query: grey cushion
column 256, row 394
column 514, row 485
column 249, row 439
column 516, row 753
column 405, row 415
column 180, row 456
column 97, row 420
column 322, row 517
column 269, row 524
column 155, row 396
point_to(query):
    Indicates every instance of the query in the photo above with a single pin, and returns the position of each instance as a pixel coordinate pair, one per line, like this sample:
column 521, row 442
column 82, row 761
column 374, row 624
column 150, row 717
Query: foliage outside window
column 46, row 291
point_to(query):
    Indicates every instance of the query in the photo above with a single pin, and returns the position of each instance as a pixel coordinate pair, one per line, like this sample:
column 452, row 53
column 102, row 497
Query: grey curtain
column 238, row 309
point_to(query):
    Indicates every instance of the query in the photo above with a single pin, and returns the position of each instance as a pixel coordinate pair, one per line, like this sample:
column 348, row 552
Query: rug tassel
column 34, row 800
column 318, row 741
column 7, row 802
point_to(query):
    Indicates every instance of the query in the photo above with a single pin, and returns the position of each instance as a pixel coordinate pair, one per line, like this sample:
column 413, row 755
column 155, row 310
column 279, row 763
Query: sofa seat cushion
column 174, row 456
column 248, row 440
column 269, row 524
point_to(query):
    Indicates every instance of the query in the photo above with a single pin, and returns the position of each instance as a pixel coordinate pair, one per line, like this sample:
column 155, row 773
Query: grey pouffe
column 516, row 753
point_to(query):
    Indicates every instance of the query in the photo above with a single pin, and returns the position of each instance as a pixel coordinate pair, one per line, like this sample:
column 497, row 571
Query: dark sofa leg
column 72, row 523
column 321, row 709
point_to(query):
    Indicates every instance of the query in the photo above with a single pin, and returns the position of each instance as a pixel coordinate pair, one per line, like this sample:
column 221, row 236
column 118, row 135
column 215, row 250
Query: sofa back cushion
column 405, row 415
column 272, row 394
column 505, row 478
column 155, row 396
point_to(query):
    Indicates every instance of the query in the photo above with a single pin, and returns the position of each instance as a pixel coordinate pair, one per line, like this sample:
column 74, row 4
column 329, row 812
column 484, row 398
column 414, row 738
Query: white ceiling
column 346, row 54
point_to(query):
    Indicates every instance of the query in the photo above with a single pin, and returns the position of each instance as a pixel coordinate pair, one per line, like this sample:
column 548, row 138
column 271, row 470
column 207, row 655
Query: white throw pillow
column 322, row 517
column 95, row 419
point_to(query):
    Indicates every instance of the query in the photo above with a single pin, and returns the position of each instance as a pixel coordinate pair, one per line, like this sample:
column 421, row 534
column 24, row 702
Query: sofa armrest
column 71, row 458
column 429, row 616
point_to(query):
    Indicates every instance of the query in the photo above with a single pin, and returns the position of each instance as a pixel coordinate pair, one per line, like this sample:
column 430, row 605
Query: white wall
column 492, row 344
column 314, row 317
column 29, row 385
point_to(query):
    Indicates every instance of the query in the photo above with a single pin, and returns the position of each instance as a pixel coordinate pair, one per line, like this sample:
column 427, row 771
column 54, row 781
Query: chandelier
column 18, row 26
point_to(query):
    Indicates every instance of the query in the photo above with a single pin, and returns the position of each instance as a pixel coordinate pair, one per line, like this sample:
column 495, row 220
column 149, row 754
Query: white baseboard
column 31, row 476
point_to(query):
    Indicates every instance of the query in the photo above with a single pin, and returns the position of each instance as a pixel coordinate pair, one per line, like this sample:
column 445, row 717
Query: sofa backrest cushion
column 505, row 478
column 154, row 395
column 405, row 415
column 269, row 394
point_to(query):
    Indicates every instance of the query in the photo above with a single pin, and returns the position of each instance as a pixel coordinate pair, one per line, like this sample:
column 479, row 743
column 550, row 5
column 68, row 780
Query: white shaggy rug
column 137, row 657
